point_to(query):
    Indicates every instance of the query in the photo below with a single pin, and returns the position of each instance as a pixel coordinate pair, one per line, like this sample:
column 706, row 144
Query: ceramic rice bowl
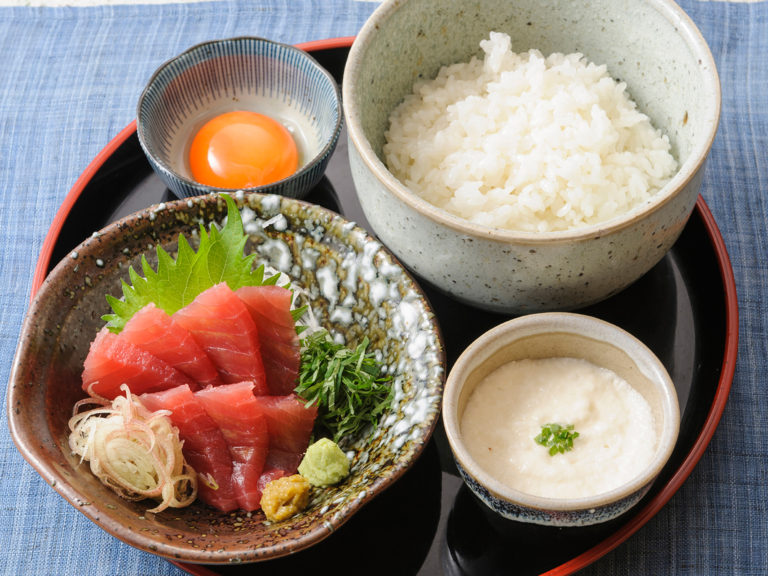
column 356, row 289
column 245, row 73
column 651, row 45
column 557, row 335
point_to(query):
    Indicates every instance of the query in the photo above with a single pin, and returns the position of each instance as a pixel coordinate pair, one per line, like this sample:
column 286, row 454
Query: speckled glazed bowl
column 245, row 73
column 553, row 335
column 651, row 45
column 356, row 289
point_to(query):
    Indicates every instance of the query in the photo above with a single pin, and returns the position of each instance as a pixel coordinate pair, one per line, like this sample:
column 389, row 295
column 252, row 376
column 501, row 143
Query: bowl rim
column 324, row 151
column 580, row 325
column 685, row 173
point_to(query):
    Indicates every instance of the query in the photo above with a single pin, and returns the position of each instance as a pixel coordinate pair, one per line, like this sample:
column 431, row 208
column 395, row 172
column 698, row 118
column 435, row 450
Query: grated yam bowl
column 560, row 335
column 371, row 295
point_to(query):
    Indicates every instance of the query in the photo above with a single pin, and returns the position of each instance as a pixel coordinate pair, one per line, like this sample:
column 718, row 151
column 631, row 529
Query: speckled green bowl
column 356, row 288
column 651, row 45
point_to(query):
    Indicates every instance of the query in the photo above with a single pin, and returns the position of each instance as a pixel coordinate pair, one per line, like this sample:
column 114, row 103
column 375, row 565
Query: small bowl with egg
column 560, row 419
column 243, row 113
column 529, row 156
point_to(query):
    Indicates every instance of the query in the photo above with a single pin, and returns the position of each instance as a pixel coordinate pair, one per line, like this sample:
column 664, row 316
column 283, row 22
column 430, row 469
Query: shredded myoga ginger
column 137, row 453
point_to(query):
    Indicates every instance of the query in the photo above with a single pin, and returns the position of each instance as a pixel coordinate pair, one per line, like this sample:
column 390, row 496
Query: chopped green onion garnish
column 558, row 438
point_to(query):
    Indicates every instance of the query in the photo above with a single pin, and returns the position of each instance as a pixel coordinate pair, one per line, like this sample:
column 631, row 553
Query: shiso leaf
column 219, row 258
column 346, row 384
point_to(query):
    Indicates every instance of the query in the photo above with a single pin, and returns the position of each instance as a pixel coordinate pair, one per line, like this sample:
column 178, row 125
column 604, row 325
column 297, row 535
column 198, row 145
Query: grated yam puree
column 504, row 413
column 527, row 143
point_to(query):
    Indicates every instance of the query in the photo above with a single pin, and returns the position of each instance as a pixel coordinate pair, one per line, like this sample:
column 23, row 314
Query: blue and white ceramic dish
column 549, row 335
column 245, row 73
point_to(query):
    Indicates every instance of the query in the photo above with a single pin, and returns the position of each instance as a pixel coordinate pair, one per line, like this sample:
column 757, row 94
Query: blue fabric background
column 69, row 81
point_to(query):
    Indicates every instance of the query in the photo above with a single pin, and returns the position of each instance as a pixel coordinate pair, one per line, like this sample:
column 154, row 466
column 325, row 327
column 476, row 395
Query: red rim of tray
column 654, row 505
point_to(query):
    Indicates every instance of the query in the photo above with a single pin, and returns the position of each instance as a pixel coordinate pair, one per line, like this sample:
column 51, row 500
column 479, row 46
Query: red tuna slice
column 112, row 360
column 157, row 333
column 220, row 323
column 270, row 308
column 235, row 410
column 283, row 460
column 204, row 446
column 290, row 425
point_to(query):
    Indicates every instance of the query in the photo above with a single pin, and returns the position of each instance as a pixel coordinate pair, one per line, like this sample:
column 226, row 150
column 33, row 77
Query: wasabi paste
column 324, row 463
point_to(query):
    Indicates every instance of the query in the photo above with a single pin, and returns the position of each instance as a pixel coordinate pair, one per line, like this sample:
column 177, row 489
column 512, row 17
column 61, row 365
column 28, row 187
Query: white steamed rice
column 527, row 143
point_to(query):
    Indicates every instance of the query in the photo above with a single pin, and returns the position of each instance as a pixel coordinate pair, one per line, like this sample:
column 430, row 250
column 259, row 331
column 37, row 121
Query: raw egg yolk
column 242, row 149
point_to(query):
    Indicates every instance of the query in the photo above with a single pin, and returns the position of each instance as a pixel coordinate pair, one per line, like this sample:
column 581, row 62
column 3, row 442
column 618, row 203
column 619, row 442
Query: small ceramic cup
column 246, row 73
column 555, row 335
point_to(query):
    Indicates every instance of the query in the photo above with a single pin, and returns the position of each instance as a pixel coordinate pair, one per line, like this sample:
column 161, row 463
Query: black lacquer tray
column 429, row 523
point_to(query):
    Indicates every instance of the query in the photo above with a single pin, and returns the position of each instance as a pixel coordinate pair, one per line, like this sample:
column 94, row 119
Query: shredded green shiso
column 347, row 385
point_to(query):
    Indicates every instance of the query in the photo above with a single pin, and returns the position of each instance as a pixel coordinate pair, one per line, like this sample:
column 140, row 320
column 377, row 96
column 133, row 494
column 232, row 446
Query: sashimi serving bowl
column 356, row 289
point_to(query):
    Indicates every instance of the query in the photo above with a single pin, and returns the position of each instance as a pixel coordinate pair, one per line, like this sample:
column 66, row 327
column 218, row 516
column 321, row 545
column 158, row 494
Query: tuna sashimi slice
column 235, row 409
column 270, row 308
column 113, row 360
column 290, row 425
column 222, row 326
column 204, row 446
column 156, row 332
column 283, row 460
